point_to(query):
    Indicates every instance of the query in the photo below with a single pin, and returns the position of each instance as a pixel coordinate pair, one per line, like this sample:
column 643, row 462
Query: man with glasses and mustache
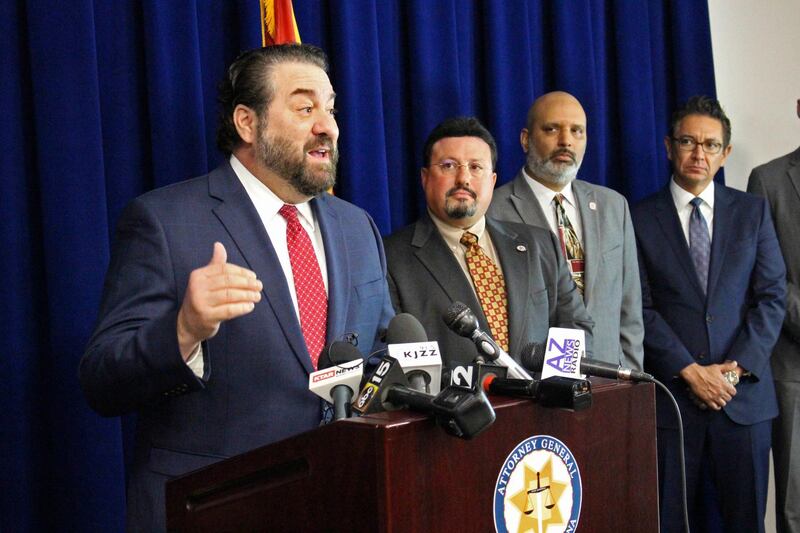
column 223, row 290
column 592, row 222
column 512, row 276
column 713, row 291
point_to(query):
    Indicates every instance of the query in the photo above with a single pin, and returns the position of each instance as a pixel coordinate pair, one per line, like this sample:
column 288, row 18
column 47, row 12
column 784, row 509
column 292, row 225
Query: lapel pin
column 592, row 206
column 521, row 248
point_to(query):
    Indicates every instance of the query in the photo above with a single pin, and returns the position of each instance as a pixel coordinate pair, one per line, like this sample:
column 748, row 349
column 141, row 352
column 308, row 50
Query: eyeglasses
column 451, row 168
column 688, row 144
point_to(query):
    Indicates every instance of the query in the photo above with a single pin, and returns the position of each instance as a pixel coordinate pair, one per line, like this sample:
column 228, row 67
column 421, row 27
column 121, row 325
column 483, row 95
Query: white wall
column 757, row 62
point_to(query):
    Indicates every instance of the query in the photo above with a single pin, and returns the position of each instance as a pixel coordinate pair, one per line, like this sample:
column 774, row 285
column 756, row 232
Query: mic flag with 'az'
column 565, row 349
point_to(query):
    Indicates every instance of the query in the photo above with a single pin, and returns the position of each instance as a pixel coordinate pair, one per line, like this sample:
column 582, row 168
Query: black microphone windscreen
column 337, row 353
column 460, row 319
column 455, row 309
column 532, row 356
column 404, row 328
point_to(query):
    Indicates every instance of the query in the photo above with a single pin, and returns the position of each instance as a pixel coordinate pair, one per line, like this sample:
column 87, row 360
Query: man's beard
column 459, row 209
column 278, row 154
column 553, row 172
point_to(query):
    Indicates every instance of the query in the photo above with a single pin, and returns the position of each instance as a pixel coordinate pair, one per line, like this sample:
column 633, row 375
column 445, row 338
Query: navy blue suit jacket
column 255, row 387
column 738, row 320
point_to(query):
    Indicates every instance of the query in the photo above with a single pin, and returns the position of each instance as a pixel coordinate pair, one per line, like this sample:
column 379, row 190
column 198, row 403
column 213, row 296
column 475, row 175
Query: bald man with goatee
column 593, row 224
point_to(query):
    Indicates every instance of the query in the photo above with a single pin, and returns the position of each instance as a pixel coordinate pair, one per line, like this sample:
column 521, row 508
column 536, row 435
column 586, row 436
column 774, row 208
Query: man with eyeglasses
column 713, row 285
column 512, row 276
column 592, row 222
column 779, row 182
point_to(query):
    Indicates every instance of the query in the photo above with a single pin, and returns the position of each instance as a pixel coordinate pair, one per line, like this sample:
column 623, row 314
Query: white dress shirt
column 681, row 197
column 546, row 199
column 267, row 205
column 452, row 237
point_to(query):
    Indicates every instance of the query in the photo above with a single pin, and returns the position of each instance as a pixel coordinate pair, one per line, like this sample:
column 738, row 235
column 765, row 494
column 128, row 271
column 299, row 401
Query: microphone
column 420, row 359
column 533, row 359
column 404, row 327
column 341, row 368
column 471, row 375
column 463, row 321
column 459, row 411
column 557, row 391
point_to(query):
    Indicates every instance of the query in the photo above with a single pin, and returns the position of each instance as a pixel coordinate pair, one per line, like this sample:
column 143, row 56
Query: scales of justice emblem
column 539, row 488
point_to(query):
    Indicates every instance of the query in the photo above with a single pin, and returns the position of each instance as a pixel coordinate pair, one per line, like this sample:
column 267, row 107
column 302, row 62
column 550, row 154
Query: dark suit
column 425, row 278
column 779, row 182
column 738, row 320
column 255, row 387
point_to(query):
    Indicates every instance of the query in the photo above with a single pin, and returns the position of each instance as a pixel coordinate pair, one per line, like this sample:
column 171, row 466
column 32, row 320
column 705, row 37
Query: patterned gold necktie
column 490, row 286
column 570, row 245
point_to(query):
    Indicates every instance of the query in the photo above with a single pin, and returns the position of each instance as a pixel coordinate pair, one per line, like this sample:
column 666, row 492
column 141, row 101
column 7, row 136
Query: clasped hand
column 708, row 384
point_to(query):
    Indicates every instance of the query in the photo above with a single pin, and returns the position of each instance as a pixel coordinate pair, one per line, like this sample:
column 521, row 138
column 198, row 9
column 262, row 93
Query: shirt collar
column 682, row 197
column 544, row 194
column 452, row 235
column 264, row 197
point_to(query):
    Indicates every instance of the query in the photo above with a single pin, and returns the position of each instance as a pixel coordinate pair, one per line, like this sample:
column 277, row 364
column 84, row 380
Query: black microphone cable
column 681, row 457
column 533, row 359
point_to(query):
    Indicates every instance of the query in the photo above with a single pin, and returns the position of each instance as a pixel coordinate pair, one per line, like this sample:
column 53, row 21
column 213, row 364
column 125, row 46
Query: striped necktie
column 570, row 245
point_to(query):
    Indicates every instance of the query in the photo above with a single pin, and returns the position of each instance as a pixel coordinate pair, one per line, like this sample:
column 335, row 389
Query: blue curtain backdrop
column 103, row 100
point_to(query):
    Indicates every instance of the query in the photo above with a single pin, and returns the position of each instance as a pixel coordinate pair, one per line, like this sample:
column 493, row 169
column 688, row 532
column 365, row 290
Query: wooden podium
column 398, row 472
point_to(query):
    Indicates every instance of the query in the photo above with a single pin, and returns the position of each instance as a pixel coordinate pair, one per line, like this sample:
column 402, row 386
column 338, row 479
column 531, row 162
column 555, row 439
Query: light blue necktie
column 699, row 243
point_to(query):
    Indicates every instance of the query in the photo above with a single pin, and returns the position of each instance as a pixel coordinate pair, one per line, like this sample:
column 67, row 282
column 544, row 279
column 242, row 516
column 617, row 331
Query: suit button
column 709, row 319
column 701, row 355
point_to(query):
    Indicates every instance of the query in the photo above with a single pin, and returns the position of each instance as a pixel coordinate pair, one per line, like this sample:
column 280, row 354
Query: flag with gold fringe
column 278, row 24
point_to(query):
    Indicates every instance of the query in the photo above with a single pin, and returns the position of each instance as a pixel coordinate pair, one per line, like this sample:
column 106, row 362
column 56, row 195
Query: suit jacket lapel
column 592, row 236
column 436, row 257
column 672, row 232
column 514, row 257
column 526, row 204
column 794, row 170
column 337, row 264
column 239, row 216
column 724, row 219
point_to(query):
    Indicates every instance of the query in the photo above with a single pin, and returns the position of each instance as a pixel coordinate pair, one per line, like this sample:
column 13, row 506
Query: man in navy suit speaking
column 222, row 290
column 713, row 290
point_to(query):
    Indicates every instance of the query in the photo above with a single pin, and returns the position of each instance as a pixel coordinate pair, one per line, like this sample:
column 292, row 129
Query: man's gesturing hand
column 216, row 292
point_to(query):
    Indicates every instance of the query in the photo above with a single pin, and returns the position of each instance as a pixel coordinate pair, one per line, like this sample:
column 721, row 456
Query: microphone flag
column 421, row 358
column 565, row 349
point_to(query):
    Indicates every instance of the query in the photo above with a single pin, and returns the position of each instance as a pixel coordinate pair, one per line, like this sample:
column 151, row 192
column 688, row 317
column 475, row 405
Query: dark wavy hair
column 458, row 127
column 249, row 82
column 705, row 106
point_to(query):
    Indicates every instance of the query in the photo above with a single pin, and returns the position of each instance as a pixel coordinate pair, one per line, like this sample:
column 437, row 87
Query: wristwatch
column 731, row 377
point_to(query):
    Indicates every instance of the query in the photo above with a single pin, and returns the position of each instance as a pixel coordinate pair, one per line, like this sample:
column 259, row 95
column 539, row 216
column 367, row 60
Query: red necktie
column 311, row 298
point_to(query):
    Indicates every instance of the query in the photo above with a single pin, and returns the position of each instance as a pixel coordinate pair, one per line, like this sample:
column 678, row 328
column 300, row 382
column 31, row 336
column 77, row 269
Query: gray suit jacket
column 425, row 278
column 779, row 182
column 613, row 293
